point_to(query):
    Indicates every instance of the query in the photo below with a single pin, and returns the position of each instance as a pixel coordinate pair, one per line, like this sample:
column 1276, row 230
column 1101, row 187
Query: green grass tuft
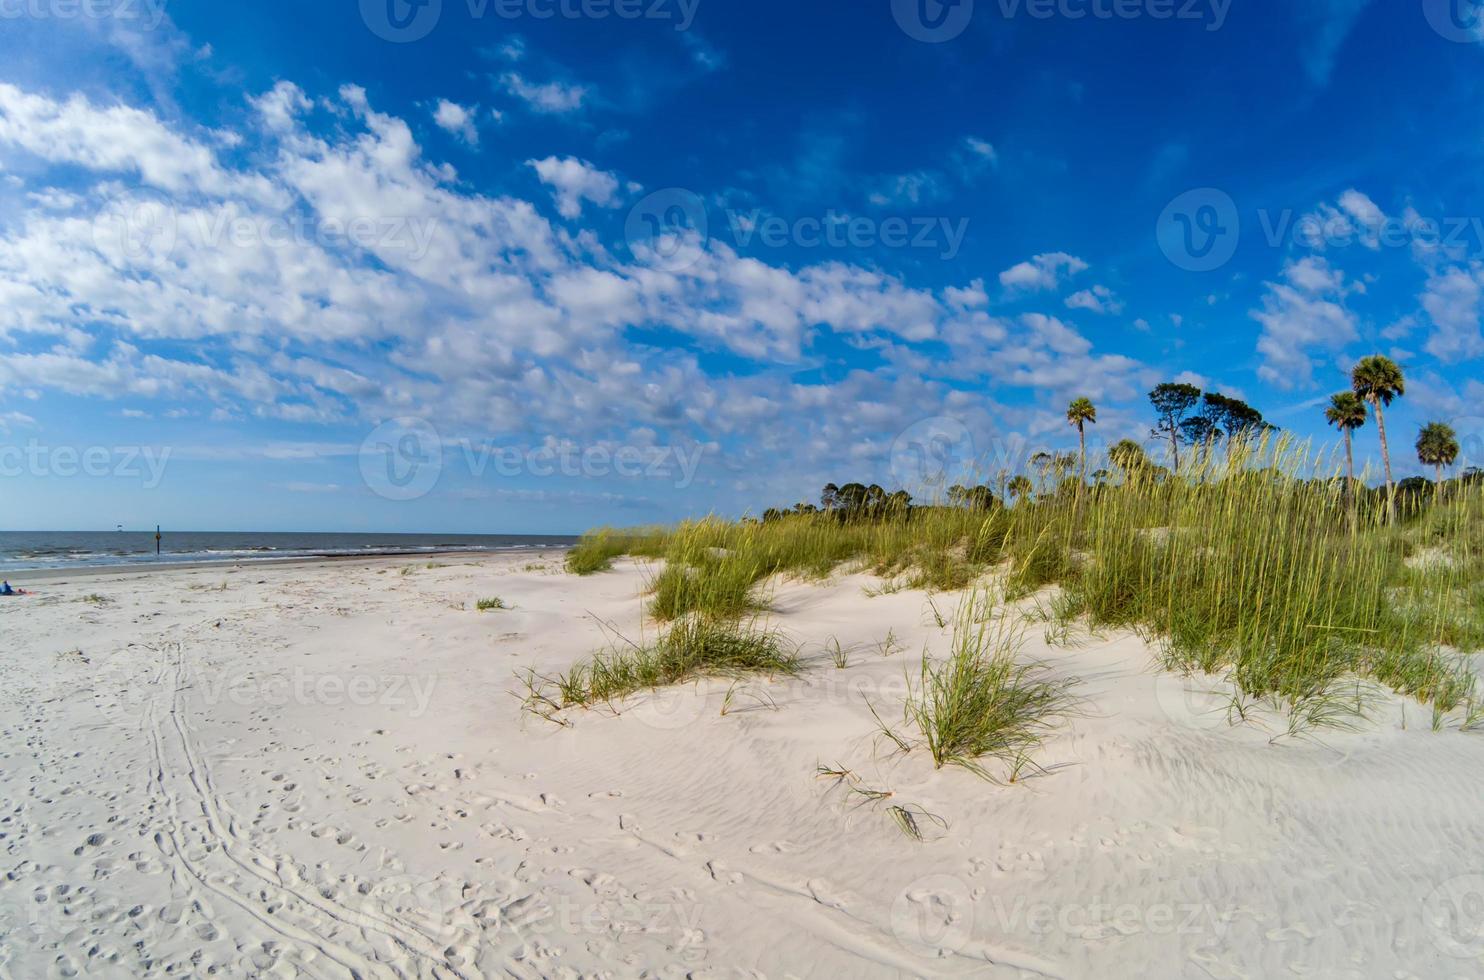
column 693, row 648
column 979, row 702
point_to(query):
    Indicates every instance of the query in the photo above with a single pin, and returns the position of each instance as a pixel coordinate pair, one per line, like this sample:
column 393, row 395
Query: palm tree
column 1347, row 413
column 1437, row 446
column 1079, row 413
column 1378, row 380
column 1042, row 462
column 1019, row 487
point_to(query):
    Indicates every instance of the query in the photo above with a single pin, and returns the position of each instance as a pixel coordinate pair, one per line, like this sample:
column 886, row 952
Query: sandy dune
column 322, row 770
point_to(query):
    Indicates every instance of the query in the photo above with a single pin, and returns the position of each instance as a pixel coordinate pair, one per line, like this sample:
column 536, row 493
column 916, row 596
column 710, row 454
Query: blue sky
column 515, row 266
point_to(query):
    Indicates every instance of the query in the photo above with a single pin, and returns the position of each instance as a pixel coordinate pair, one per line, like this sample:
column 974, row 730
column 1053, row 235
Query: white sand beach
column 323, row 770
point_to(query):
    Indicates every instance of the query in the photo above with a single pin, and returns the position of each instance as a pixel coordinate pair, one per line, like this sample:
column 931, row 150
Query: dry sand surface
column 323, row 770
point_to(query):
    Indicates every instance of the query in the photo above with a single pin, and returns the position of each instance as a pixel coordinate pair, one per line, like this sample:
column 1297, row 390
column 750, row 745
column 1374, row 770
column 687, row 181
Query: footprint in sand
column 723, row 874
column 94, row 840
column 777, row 847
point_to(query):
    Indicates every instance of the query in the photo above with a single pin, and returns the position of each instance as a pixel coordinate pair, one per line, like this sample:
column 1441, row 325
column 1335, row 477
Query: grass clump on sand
column 596, row 550
column 700, row 576
column 980, row 703
column 494, row 602
column 694, row 648
column 1255, row 558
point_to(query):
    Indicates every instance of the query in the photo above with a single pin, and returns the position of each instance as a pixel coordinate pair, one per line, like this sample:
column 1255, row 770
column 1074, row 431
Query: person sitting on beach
column 5, row 589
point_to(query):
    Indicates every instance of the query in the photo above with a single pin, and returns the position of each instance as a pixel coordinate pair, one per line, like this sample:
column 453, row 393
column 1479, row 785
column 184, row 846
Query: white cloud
column 1451, row 300
column 969, row 297
column 982, row 149
column 1043, row 272
column 573, row 181
column 1304, row 313
column 458, row 120
column 1098, row 299
column 281, row 106
column 119, row 140
column 495, row 314
column 914, row 188
column 1353, row 218
column 547, row 97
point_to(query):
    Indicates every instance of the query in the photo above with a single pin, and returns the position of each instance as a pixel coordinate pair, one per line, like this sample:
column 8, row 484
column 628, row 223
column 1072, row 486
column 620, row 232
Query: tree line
column 1186, row 417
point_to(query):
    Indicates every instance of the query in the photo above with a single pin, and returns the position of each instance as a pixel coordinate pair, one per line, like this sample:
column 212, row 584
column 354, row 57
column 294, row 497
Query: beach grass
column 980, row 703
column 1251, row 561
column 693, row 648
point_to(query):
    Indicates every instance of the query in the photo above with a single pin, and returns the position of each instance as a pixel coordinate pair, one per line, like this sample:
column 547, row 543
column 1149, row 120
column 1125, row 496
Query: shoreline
column 60, row 576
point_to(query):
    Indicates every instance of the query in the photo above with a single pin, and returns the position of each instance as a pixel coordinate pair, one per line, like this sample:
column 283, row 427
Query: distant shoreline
column 25, row 576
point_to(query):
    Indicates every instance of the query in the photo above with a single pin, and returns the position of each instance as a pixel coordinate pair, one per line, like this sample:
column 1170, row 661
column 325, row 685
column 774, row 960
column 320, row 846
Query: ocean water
column 21, row 550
